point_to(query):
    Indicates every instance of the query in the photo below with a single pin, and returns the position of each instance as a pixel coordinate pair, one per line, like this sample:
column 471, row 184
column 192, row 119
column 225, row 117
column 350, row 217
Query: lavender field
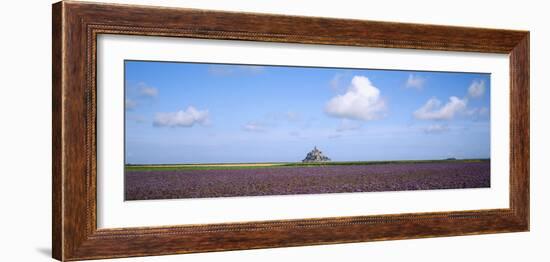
column 167, row 182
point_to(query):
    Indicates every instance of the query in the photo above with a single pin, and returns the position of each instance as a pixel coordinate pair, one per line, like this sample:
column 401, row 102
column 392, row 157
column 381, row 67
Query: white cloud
column 481, row 111
column 476, row 89
column 137, row 118
column 187, row 118
column 130, row 104
column 433, row 110
column 362, row 101
column 292, row 116
column 254, row 127
column 478, row 113
column 335, row 81
column 219, row 70
column 148, row 91
column 274, row 118
column 227, row 69
column 297, row 134
column 415, row 82
column 348, row 125
column 252, row 68
column 436, row 129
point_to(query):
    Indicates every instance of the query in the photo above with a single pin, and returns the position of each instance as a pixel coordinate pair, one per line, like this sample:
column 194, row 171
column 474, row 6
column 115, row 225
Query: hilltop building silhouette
column 315, row 155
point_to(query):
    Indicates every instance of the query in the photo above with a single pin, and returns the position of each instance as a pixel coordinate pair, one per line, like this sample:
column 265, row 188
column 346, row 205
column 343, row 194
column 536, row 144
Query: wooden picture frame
column 76, row 26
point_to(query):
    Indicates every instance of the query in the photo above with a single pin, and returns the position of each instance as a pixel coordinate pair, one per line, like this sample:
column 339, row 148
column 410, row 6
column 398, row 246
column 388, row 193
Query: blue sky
column 212, row 113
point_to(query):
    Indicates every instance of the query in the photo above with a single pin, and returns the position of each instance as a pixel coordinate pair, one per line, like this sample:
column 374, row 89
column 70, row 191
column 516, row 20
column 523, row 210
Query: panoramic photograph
column 205, row 130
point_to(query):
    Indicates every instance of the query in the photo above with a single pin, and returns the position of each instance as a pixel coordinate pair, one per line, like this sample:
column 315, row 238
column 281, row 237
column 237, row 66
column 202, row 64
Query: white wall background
column 25, row 147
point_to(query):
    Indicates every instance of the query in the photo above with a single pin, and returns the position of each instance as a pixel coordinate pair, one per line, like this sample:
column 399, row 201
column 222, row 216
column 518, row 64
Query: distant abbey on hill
column 315, row 155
